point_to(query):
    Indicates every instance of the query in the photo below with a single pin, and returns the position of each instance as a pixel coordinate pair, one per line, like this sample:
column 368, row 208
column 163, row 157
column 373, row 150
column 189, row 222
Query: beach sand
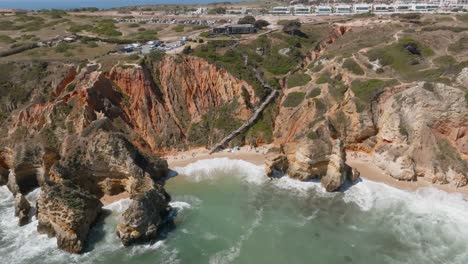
column 371, row 172
column 247, row 153
column 358, row 161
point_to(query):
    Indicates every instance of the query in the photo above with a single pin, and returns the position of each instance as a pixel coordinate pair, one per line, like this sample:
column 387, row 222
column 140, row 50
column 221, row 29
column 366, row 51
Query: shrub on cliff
column 294, row 99
column 247, row 20
column 298, row 79
column 261, row 23
column 351, row 65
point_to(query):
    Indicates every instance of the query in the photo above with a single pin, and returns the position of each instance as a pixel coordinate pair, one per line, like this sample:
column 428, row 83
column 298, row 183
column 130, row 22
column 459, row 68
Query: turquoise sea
column 67, row 4
column 229, row 212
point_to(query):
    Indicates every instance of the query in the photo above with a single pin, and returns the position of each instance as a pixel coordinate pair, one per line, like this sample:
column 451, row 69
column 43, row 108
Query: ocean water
column 229, row 212
column 67, row 4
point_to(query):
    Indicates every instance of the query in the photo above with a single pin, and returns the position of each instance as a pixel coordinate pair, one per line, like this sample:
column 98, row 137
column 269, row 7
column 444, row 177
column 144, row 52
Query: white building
column 403, row 8
column 362, row 8
column 323, row 10
column 280, row 10
column 382, row 8
column 301, row 10
column 343, row 9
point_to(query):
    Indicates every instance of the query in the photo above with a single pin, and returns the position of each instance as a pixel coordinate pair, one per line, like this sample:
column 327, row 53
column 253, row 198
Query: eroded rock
column 141, row 221
column 67, row 213
column 22, row 208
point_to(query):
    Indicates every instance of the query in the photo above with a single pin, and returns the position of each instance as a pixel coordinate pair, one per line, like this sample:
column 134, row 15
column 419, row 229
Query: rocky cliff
column 85, row 134
column 81, row 133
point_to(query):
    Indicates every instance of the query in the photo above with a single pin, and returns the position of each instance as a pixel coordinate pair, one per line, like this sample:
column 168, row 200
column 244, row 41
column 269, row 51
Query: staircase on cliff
column 222, row 144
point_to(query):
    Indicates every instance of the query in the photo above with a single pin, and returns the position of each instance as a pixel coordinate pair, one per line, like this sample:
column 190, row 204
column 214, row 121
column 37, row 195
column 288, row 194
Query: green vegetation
column 145, row 35
column 408, row 16
column 366, row 90
column 314, row 93
column 324, row 78
column 263, row 128
column 351, row 65
column 316, row 68
column 459, row 46
column 104, row 27
column 217, row 10
column 463, row 18
column 404, row 57
column 448, row 28
column 402, row 128
column 298, row 79
column 466, row 97
column 6, row 39
column 55, row 13
column 133, row 25
column 320, row 106
column 364, row 15
column 445, row 60
column 280, row 64
column 231, row 60
column 215, row 125
column 449, row 157
column 63, row 47
column 294, row 99
column 312, row 135
column 428, row 86
column 179, row 28
column 247, row 20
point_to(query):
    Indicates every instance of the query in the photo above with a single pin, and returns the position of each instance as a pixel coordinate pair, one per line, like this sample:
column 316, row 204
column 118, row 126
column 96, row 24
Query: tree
column 292, row 27
column 247, row 20
column 217, row 10
column 261, row 23
column 187, row 49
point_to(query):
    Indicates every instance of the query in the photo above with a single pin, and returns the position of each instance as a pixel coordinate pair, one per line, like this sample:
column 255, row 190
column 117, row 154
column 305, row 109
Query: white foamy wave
column 5, row 195
column 212, row 168
column 301, row 187
column 33, row 195
column 180, row 205
column 119, row 206
column 369, row 194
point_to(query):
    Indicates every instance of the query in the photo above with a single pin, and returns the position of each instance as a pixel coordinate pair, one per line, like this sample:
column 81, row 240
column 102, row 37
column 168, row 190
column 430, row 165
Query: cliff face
column 91, row 134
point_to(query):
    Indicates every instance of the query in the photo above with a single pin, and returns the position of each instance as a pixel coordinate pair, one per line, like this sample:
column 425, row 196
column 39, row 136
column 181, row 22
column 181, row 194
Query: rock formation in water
column 22, row 208
column 100, row 133
column 82, row 132
column 141, row 221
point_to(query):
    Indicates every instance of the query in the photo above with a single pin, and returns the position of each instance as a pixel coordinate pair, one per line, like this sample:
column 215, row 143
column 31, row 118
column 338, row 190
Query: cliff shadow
column 97, row 233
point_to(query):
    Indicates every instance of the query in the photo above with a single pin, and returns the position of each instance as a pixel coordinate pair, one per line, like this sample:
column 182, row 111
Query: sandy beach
column 247, row 153
column 256, row 156
column 371, row 172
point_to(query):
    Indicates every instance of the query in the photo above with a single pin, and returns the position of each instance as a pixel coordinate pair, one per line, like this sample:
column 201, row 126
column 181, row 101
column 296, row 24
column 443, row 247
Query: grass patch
column 366, row 90
column 179, row 28
column 314, row 93
column 404, row 57
column 294, row 99
column 351, row 65
column 104, row 27
column 445, row 60
column 459, row 46
column 298, row 79
column 6, row 39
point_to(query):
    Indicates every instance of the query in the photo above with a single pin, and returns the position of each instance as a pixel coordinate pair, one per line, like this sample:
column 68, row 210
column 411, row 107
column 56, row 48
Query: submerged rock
column 67, row 212
column 141, row 221
column 22, row 208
